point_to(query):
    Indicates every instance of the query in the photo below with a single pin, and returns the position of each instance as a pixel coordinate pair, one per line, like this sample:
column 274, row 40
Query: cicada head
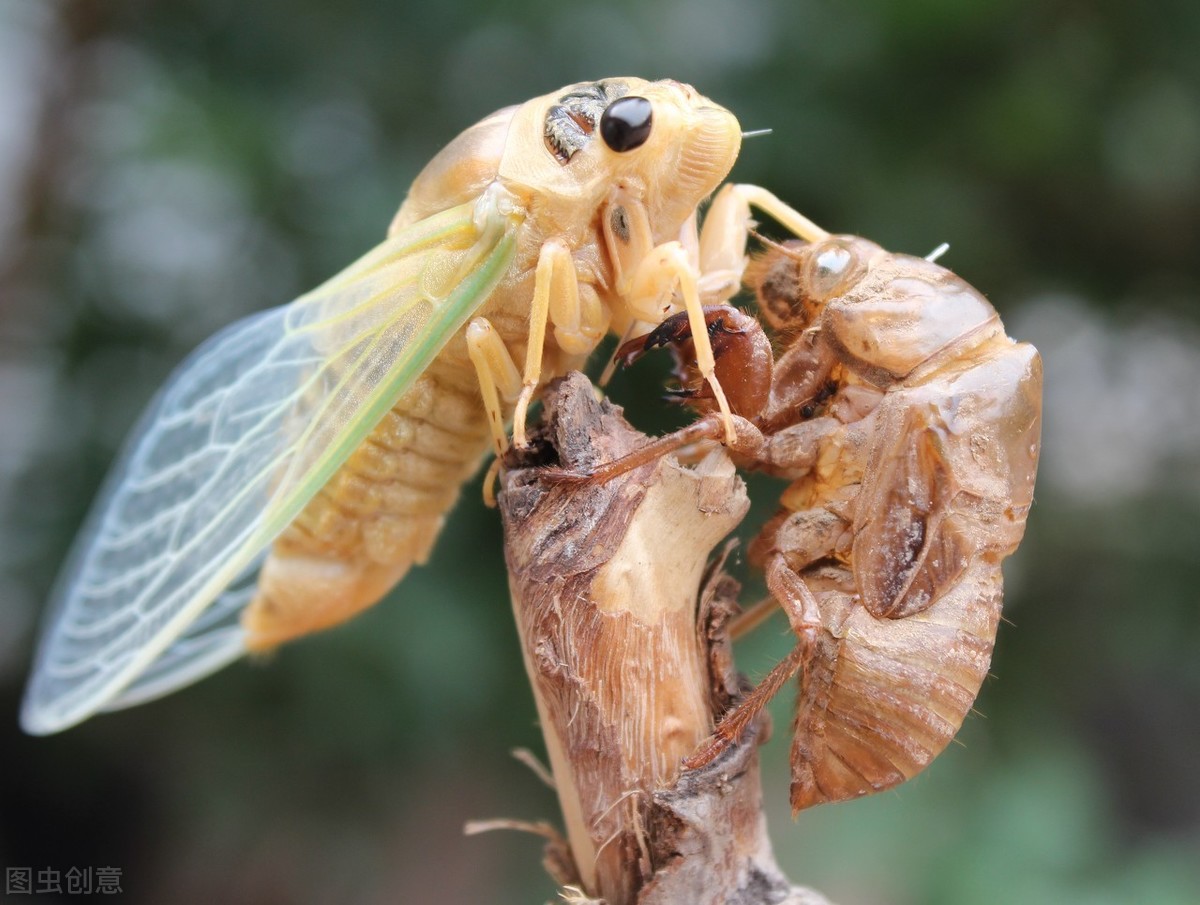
column 659, row 141
column 887, row 313
column 794, row 281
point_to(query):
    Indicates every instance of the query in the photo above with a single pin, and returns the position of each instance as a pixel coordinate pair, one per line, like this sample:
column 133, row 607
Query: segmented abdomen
column 885, row 696
column 379, row 514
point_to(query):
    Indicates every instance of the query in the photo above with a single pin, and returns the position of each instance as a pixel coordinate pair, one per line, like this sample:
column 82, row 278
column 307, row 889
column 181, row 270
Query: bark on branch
column 628, row 671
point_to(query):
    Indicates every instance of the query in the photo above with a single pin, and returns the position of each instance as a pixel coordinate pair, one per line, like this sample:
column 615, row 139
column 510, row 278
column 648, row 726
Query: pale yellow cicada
column 301, row 461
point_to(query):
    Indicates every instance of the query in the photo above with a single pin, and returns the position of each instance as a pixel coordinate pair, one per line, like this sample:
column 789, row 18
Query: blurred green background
column 168, row 167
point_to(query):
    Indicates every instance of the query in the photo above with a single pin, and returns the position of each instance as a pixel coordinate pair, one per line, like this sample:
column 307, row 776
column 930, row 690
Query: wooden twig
column 627, row 670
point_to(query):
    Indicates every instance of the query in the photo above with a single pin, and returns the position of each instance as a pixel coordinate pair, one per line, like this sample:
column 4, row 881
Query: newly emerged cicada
column 908, row 424
column 301, row 461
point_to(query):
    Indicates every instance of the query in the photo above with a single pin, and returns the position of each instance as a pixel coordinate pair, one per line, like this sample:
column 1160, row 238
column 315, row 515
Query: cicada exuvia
column 908, row 426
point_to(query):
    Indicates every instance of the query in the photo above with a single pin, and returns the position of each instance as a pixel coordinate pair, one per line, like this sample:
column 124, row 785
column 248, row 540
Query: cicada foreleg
column 709, row 270
column 720, row 251
column 770, row 203
column 703, row 267
column 660, row 272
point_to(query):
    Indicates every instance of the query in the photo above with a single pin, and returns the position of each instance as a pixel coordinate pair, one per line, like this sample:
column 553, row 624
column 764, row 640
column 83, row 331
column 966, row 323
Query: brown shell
column 909, row 425
column 885, row 696
column 901, row 522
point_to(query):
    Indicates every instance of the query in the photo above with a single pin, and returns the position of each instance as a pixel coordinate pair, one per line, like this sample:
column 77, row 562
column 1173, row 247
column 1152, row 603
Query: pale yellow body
column 301, row 461
column 379, row 514
column 576, row 275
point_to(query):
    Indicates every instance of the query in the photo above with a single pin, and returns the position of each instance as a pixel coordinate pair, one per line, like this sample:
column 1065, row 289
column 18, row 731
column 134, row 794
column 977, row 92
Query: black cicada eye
column 625, row 125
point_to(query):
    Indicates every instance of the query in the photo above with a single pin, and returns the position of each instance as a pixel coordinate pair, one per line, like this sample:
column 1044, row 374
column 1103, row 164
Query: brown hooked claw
column 741, row 351
column 672, row 331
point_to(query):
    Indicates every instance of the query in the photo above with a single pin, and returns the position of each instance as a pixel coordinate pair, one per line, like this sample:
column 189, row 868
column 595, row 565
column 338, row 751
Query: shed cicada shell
column 908, row 426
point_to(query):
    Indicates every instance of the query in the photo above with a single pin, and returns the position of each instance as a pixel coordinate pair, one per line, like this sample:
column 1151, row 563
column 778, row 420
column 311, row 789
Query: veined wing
column 213, row 640
column 243, row 435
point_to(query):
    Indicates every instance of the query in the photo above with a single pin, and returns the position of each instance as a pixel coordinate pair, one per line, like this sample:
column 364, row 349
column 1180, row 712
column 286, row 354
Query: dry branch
column 627, row 672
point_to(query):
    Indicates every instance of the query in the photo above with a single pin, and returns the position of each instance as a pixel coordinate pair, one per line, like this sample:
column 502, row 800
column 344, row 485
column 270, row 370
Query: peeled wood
column 605, row 580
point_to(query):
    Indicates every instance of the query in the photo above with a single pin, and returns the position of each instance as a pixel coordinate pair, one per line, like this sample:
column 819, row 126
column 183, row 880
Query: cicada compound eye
column 829, row 269
column 625, row 124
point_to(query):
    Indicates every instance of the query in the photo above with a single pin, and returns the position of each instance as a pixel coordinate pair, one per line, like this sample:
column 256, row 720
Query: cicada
column 297, row 465
column 908, row 426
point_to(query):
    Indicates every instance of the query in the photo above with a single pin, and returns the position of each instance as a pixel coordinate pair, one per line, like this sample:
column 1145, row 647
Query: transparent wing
column 240, row 439
column 214, row 640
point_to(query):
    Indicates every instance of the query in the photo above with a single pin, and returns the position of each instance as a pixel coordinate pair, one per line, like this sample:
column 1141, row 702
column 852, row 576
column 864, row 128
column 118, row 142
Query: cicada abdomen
column 883, row 697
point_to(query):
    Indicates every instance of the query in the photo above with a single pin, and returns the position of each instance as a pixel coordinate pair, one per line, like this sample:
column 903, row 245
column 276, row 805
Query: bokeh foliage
column 181, row 164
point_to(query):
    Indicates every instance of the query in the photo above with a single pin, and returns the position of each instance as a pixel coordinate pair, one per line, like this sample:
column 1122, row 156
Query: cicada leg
column 579, row 321
column 769, row 203
column 666, row 267
column 707, row 267
column 746, row 440
column 721, row 246
column 790, row 591
column 497, row 373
